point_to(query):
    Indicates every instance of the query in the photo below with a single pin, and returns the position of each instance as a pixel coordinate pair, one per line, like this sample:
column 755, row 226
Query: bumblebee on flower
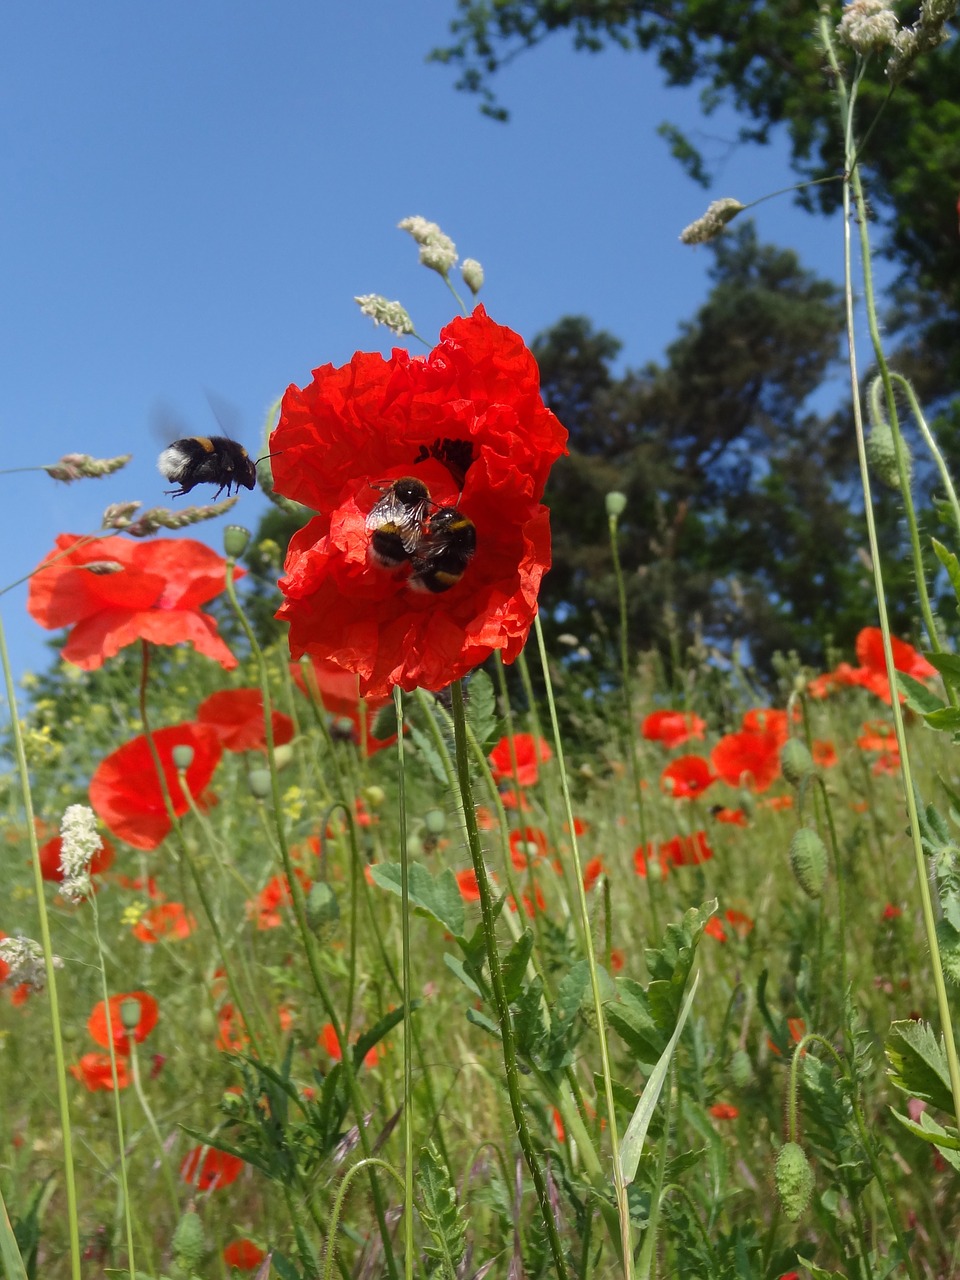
column 430, row 539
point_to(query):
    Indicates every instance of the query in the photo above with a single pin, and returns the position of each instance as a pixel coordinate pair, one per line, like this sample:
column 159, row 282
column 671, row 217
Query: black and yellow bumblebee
column 444, row 551
column 207, row 460
column 397, row 522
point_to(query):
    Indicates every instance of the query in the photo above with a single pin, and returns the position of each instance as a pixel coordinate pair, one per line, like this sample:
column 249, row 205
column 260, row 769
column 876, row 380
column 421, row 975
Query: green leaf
column 951, row 564
column 438, row 895
column 481, row 1020
column 376, row 1033
column 284, row 1267
column 440, row 1213
column 428, row 751
column 947, row 720
column 481, row 709
column 456, row 965
column 918, row 696
column 13, row 1267
column 514, row 965
column 631, row 1148
column 929, row 1131
column 948, row 665
column 918, row 1064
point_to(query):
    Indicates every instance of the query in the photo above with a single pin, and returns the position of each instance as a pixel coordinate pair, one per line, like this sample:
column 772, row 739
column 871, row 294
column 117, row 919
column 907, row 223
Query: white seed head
column 437, row 251
column 79, row 842
column 868, row 25
column 472, row 273
column 713, row 221
column 25, row 960
column 392, row 314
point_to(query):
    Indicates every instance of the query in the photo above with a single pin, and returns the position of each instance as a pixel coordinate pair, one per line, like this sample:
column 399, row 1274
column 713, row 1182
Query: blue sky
column 194, row 193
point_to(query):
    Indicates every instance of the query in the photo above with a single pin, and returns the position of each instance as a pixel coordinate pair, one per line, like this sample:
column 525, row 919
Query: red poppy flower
column 686, row 777
column 113, row 592
column 892, row 912
column 338, row 691
column 714, row 928
column 93, row 1070
column 243, row 1254
column 101, row 1028
column 824, row 753
column 739, row 922
column 797, row 1029
column 905, row 656
column 672, row 727
column 51, row 869
column 231, row 1033
column 687, row 851
column 724, row 1111
column 468, row 422
column 768, row 720
column 530, row 753
column 877, row 735
column 592, row 873
column 125, row 790
column 527, row 846
column 643, row 857
column 467, row 884
column 530, row 905
column 733, row 817
column 208, row 1169
column 236, row 717
column 328, row 1038
column 747, row 758
column 265, row 908
column 886, row 762
column 139, row 885
column 167, row 922
column 617, row 959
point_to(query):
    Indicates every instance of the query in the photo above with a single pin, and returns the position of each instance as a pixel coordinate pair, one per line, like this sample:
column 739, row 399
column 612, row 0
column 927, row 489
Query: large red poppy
column 113, row 592
column 94, row 1070
column 467, row 421
column 236, row 716
column 748, row 758
column 672, row 727
column 125, row 790
column 530, row 753
column 905, row 656
column 102, row 1028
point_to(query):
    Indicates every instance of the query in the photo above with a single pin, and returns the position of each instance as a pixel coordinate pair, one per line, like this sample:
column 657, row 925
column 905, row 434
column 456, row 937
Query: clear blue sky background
column 194, row 192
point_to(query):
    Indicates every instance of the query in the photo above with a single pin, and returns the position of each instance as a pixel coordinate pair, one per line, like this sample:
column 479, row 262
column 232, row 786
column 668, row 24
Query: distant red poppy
column 113, row 592
column 686, row 777
column 530, row 905
column 50, row 867
column 777, row 803
column 887, row 762
column 93, row 1070
column 714, row 929
column 338, row 692
column 236, row 716
column 739, row 922
column 892, row 912
column 558, row 1126
column 265, row 908
column 642, row 857
column 125, row 790
column 617, row 959
column 579, row 826
column 724, row 1111
column 231, row 1035
column 672, row 727
column 531, row 752
column 468, row 421
column 328, row 1038
column 527, row 846
column 102, row 1029
column 467, row 883
column 510, row 798
column 824, row 753
column 797, row 1029
column 687, row 851
column 138, row 884
column 208, row 1169
column 877, row 735
column 747, row 758
column 768, row 720
column 592, row 873
column 167, row 922
column 243, row 1254
column 733, row 817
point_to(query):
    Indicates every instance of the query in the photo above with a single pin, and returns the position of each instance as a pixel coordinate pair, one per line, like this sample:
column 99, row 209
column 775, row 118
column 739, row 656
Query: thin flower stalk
column 300, row 914
column 408, row 1188
column 370, row 1163
column 70, row 1185
column 620, row 1185
column 152, row 1125
column 931, row 443
column 511, row 1065
column 923, row 883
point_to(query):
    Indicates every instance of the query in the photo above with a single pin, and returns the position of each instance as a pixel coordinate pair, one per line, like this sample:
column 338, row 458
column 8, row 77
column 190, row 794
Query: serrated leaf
column 929, row 1131
column 481, row 709
column 514, row 965
column 571, row 990
column 438, row 895
column 631, row 1148
column 947, row 720
column 919, row 697
column 431, row 756
column 440, row 1213
column 918, row 1064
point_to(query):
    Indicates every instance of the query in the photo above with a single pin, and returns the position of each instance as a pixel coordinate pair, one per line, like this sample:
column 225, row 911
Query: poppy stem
column 70, row 1185
column 508, row 1043
column 408, row 1190
column 153, row 1127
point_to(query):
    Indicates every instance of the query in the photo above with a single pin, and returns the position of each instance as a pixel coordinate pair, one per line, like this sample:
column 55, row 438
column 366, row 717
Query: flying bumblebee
column 443, row 552
column 396, row 523
column 207, row 460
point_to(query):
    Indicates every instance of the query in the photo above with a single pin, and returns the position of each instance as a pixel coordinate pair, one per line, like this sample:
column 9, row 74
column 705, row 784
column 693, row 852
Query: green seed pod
column 880, row 444
column 796, row 761
column 235, row 540
column 616, row 503
column 182, row 755
column 435, row 821
column 258, row 780
column 188, row 1246
column 794, row 1179
column 741, row 1069
column 323, row 909
column 808, row 858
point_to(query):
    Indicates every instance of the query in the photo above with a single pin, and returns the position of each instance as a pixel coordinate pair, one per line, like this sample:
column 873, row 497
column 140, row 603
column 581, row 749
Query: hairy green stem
column 408, row 1254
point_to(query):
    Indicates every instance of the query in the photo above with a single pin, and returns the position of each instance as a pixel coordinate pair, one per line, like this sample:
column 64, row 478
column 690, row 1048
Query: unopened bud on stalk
column 80, row 466
column 712, row 222
column 880, row 444
column 188, row 1243
column 808, row 860
column 392, row 314
column 182, row 755
column 435, row 821
column 796, row 761
column 323, row 910
column 472, row 273
column 130, row 1014
column 794, row 1179
column 236, row 539
column 616, row 503
column 258, row 780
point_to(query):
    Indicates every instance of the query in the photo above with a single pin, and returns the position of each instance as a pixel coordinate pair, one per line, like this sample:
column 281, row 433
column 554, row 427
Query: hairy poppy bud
column 796, row 761
column 808, row 859
column 323, row 910
column 794, row 1179
column 188, row 1245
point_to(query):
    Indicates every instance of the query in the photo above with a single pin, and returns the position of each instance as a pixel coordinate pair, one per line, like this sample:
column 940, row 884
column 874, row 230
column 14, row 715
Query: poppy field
column 350, row 929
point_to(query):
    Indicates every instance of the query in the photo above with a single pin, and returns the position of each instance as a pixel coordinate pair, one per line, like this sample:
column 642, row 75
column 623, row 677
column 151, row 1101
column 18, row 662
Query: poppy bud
column 374, row 797
column 188, row 1245
column 435, row 821
column 130, row 1014
column 258, row 780
column 794, row 1179
column 796, row 761
column 236, row 539
column 616, row 503
column 881, row 446
column 808, row 858
column 182, row 755
column 323, row 910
